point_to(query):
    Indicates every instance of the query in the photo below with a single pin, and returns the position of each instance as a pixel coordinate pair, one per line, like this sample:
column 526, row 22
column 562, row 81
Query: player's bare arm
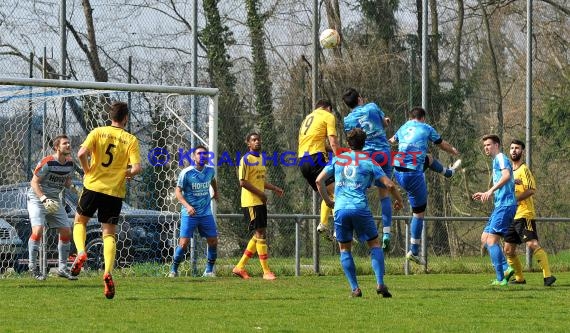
column 178, row 193
column 484, row 196
column 333, row 141
column 248, row 186
column 35, row 184
column 83, row 156
column 393, row 189
column 447, row 147
column 134, row 170
column 214, row 185
column 278, row 190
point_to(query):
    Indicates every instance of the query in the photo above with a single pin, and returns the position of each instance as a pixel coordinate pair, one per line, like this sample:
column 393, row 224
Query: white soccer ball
column 329, row 38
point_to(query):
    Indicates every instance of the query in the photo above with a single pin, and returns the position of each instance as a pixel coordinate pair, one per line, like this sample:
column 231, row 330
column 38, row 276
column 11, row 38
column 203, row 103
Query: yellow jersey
column 315, row 129
column 252, row 170
column 112, row 150
column 526, row 206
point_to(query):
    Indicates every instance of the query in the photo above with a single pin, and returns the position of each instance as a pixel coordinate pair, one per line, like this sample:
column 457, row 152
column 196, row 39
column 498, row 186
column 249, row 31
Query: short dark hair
column 518, row 142
column 323, row 103
column 417, row 113
column 119, row 111
column 356, row 138
column 56, row 140
column 200, row 147
column 248, row 137
column 350, row 97
column 494, row 137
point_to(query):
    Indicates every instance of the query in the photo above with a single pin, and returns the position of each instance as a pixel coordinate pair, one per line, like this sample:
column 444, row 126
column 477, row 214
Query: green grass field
column 421, row 303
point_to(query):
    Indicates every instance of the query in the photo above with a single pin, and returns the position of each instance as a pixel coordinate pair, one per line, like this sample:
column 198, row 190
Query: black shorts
column 108, row 207
column 311, row 170
column 256, row 216
column 521, row 231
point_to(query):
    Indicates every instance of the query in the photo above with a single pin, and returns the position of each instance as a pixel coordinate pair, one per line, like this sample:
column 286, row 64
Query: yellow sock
column 248, row 253
column 262, row 253
column 325, row 213
column 542, row 259
column 79, row 236
column 516, row 264
column 109, row 252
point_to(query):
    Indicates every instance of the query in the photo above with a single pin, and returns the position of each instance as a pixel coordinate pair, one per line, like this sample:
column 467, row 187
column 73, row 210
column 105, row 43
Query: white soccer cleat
column 209, row 275
column 455, row 165
column 417, row 259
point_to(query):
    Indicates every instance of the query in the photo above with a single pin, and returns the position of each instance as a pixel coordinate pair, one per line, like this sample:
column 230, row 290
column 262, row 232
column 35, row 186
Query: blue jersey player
column 413, row 138
column 372, row 120
column 193, row 192
column 505, row 203
column 354, row 173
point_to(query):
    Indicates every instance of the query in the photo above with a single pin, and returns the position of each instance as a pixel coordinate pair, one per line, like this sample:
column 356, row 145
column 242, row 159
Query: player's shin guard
column 347, row 263
column 325, row 213
column 542, row 259
column 416, row 228
column 497, row 258
column 212, row 256
column 386, row 204
column 63, row 248
column 33, row 251
column 178, row 258
column 250, row 250
column 516, row 264
column 262, row 253
column 79, row 236
column 377, row 261
column 109, row 252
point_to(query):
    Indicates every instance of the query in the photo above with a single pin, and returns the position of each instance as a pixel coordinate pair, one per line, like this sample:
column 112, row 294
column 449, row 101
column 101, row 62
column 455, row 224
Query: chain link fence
column 476, row 56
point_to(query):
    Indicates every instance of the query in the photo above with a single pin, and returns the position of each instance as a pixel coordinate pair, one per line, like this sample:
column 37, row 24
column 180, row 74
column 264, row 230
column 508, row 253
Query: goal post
column 33, row 111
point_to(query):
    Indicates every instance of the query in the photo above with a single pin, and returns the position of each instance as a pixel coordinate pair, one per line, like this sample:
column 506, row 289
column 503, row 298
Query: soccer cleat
column 454, row 167
column 356, row 293
column 548, row 281
column 242, row 273
column 36, row 274
column 517, row 282
column 65, row 273
column 383, row 290
column 269, row 276
column 501, row 283
column 509, row 273
column 209, row 274
column 109, row 286
column 78, row 263
column 386, row 241
column 415, row 258
column 324, row 231
column 173, row 274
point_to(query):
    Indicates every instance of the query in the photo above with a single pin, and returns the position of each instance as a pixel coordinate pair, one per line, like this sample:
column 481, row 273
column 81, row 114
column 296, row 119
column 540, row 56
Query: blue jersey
column 370, row 118
column 505, row 195
column 413, row 138
column 352, row 178
column 195, row 186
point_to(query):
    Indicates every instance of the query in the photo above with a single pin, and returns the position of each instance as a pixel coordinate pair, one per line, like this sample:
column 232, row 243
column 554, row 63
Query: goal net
column 167, row 120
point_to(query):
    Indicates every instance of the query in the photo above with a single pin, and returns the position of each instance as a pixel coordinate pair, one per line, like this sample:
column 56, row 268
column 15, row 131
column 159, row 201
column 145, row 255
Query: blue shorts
column 500, row 220
column 414, row 182
column 205, row 224
column 348, row 221
column 383, row 159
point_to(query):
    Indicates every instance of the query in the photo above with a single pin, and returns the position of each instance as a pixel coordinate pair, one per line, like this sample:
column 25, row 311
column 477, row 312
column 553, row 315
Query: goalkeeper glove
column 386, row 241
column 50, row 205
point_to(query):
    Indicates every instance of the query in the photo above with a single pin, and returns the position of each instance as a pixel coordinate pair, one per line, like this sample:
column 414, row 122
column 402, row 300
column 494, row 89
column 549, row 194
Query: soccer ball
column 329, row 39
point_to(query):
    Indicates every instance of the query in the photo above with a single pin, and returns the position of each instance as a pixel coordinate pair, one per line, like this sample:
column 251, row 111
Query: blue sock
column 178, row 257
column 386, row 205
column 497, row 259
column 349, row 268
column 416, row 233
column 377, row 260
column 212, row 255
column 436, row 166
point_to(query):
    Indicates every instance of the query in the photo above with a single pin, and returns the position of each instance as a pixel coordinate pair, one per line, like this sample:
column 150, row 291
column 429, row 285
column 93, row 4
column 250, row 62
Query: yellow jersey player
column 254, row 205
column 109, row 156
column 317, row 127
column 523, row 229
